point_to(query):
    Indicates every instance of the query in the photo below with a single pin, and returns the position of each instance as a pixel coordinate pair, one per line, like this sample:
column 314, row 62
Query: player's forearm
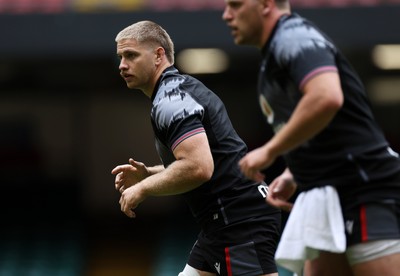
column 180, row 177
column 295, row 134
column 321, row 100
column 310, row 117
column 155, row 169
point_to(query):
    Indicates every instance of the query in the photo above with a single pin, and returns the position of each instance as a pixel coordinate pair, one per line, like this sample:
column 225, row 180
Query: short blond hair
column 149, row 32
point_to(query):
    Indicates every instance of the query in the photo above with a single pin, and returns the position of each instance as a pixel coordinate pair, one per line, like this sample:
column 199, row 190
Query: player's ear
column 160, row 54
column 267, row 5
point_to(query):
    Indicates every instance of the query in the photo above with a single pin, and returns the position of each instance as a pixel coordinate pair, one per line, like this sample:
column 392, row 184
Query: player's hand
column 255, row 161
column 129, row 174
column 130, row 199
column 281, row 190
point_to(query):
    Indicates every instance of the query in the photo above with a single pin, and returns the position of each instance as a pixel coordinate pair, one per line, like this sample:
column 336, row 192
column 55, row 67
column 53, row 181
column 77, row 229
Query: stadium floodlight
column 386, row 56
column 202, row 61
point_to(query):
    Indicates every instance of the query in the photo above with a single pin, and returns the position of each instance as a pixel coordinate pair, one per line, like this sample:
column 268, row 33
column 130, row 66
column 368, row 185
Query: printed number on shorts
column 263, row 190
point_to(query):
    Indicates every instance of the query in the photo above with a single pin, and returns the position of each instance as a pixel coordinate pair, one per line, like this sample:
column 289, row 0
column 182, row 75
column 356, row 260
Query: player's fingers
column 250, row 172
column 132, row 214
column 135, row 164
column 116, row 170
column 274, row 203
column 128, row 210
column 272, row 187
column 123, row 204
column 119, row 181
column 126, row 207
column 119, row 186
column 279, row 203
column 286, row 206
column 272, row 199
column 253, row 174
column 119, row 169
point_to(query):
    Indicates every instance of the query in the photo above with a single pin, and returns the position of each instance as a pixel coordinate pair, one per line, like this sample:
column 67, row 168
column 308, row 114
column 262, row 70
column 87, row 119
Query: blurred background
column 67, row 119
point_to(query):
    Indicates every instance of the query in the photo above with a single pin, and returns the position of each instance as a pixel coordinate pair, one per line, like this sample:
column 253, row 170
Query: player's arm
column 129, row 174
column 321, row 100
column 193, row 166
column 155, row 169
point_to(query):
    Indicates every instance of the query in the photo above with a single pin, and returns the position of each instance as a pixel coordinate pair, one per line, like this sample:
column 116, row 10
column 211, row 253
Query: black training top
column 182, row 107
column 352, row 148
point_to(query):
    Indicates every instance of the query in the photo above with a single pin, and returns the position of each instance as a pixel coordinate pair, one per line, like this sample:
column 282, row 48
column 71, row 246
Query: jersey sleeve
column 177, row 117
column 305, row 53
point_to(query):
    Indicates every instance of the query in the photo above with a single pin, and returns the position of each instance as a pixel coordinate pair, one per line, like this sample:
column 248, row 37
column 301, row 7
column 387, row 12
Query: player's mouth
column 126, row 77
column 234, row 31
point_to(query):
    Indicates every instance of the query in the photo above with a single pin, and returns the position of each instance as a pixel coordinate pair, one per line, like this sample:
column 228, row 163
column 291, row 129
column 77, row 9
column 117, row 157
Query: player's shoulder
column 173, row 102
column 169, row 86
column 294, row 27
column 295, row 35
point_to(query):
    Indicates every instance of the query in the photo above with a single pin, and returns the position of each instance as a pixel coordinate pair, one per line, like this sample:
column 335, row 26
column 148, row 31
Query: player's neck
column 157, row 74
column 270, row 24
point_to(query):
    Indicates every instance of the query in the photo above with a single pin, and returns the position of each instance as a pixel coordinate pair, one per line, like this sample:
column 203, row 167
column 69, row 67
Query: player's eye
column 234, row 5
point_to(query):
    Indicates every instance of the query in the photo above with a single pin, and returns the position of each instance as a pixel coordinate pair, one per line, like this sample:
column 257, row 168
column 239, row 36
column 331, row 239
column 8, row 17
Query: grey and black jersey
column 352, row 148
column 182, row 106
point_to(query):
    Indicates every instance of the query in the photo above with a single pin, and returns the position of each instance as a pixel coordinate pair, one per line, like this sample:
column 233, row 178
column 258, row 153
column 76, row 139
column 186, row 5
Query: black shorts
column 370, row 221
column 247, row 248
column 371, row 211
